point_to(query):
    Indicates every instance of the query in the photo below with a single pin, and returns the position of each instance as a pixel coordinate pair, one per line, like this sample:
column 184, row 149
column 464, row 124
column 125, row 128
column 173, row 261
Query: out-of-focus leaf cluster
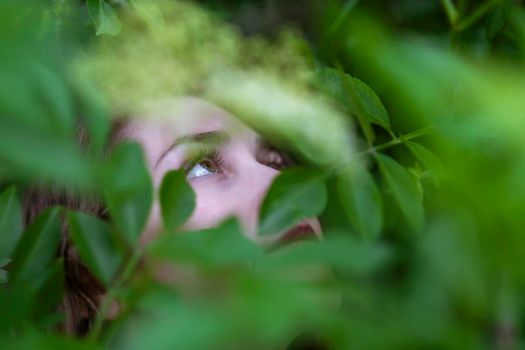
column 422, row 209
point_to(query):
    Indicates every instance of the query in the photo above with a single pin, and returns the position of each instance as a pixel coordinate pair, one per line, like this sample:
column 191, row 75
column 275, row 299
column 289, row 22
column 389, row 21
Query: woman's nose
column 255, row 185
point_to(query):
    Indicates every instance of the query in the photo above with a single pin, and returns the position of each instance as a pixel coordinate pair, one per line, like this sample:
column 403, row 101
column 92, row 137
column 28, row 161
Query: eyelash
column 212, row 155
column 280, row 161
column 217, row 159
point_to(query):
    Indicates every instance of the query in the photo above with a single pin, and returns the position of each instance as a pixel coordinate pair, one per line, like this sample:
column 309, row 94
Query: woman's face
column 230, row 177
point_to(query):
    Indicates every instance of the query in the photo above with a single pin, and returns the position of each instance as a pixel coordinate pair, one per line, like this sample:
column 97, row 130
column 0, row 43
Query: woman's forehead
column 184, row 116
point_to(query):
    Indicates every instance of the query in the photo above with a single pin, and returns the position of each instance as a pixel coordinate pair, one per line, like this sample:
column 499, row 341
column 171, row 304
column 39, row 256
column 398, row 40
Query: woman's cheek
column 153, row 225
column 211, row 207
column 215, row 201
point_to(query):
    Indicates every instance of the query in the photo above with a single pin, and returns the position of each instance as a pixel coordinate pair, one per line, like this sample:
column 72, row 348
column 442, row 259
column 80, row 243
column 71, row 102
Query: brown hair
column 82, row 291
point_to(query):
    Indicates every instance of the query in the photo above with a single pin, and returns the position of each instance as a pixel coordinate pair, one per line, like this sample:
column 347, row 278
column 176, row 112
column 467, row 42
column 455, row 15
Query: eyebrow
column 210, row 138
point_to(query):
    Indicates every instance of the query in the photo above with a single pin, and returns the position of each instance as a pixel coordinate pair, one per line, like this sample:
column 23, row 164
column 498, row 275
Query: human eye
column 275, row 159
column 206, row 166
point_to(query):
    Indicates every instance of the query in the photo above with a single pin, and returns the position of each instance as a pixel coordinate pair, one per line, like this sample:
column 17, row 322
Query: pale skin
column 232, row 179
column 231, row 182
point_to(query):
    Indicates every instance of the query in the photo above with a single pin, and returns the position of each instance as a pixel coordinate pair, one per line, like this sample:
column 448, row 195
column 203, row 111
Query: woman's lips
column 300, row 232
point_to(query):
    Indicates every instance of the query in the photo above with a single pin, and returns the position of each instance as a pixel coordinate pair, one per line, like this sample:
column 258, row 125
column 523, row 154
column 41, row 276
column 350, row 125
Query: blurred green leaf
column 37, row 123
column 294, row 195
column 334, row 216
column 46, row 341
column 149, row 12
column 128, row 190
column 57, row 99
column 3, row 273
column 29, row 152
column 177, row 199
column 212, row 247
column 16, row 304
column 342, row 87
column 371, row 105
column 94, row 113
column 10, row 222
column 105, row 19
column 330, row 82
column 340, row 19
column 338, row 250
column 404, row 189
column 34, row 93
column 357, row 98
column 361, row 200
column 96, row 245
column 48, row 289
column 37, row 247
column 498, row 19
column 427, row 158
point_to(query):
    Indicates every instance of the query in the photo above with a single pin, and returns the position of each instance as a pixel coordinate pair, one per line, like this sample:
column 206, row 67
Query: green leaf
column 30, row 152
column 57, row 100
column 149, row 12
column 46, row 341
column 94, row 112
column 35, row 297
column 213, row 247
column 177, row 199
column 48, row 288
column 361, row 201
column 3, row 276
column 404, row 189
column 11, row 225
column 128, row 190
column 334, row 216
column 104, row 17
column 371, row 104
column 330, row 83
column 37, row 247
column 96, row 245
column 338, row 250
column 498, row 19
column 37, row 124
column 294, row 195
column 427, row 158
column 340, row 86
column 357, row 98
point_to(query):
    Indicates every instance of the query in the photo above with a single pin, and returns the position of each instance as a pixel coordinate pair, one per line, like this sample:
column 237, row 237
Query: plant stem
column 112, row 293
column 476, row 15
column 397, row 140
column 343, row 15
column 451, row 11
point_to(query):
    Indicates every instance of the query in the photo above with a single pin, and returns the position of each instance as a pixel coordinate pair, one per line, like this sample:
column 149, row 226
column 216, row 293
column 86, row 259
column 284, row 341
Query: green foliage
column 294, row 195
column 104, row 17
column 403, row 188
column 369, row 104
column 212, row 248
column 10, row 222
column 96, row 245
column 427, row 159
column 361, row 200
column 177, row 200
column 435, row 89
column 36, row 248
column 37, row 124
column 128, row 190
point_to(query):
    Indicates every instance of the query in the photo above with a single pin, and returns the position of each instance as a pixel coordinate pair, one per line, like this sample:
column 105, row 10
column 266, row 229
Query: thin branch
column 397, row 141
column 343, row 15
column 112, row 293
column 451, row 11
column 477, row 15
